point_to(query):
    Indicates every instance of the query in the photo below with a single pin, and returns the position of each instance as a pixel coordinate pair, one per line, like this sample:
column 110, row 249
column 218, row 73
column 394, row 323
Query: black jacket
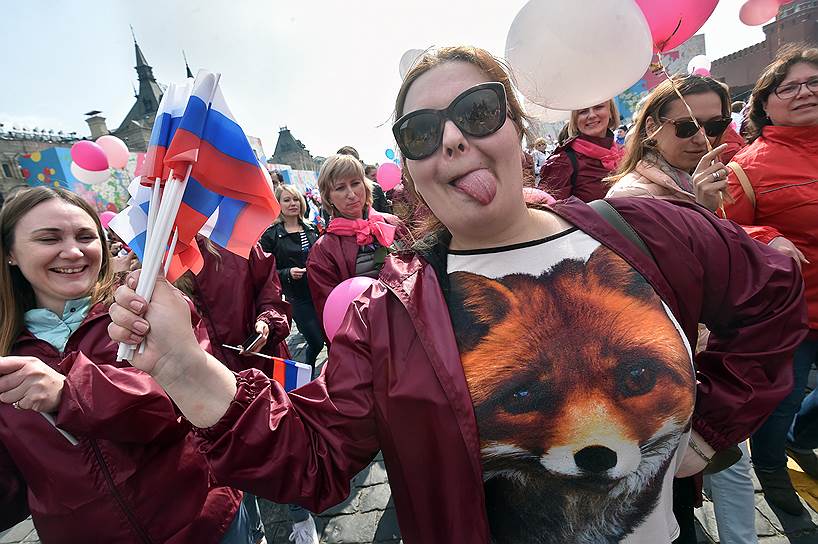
column 286, row 247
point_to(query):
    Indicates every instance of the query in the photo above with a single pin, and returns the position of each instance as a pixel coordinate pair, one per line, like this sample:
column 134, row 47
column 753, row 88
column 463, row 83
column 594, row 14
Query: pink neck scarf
column 609, row 157
column 366, row 230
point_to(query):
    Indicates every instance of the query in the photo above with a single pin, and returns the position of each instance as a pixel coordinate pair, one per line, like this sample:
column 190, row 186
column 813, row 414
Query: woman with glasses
column 671, row 156
column 774, row 194
column 525, row 371
column 585, row 156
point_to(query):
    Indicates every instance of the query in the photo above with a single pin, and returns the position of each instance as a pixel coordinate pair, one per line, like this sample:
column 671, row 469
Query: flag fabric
column 167, row 120
column 131, row 224
column 210, row 141
column 291, row 374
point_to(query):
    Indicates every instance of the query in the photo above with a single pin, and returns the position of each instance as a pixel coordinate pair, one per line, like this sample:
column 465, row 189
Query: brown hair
column 770, row 79
column 339, row 167
column 655, row 106
column 494, row 68
column 302, row 204
column 17, row 293
column 613, row 122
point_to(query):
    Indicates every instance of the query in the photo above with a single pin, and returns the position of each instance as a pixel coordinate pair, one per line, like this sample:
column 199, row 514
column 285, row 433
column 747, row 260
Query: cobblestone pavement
column 368, row 515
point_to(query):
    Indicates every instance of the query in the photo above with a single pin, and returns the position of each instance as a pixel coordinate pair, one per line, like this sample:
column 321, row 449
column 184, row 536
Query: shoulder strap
column 572, row 156
column 741, row 175
column 614, row 219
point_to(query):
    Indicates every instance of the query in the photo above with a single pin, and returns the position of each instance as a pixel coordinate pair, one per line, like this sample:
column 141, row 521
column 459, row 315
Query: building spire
column 187, row 68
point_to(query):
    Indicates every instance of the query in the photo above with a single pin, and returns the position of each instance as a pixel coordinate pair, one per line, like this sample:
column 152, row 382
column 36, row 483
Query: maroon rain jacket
column 395, row 382
column 135, row 475
column 557, row 173
column 232, row 293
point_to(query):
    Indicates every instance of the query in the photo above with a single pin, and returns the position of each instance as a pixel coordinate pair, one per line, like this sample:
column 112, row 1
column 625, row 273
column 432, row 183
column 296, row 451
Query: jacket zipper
column 108, row 478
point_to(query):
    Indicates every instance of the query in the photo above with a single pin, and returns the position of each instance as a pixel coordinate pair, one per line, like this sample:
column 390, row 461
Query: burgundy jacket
column 135, row 475
column 231, row 294
column 395, row 381
column 556, row 173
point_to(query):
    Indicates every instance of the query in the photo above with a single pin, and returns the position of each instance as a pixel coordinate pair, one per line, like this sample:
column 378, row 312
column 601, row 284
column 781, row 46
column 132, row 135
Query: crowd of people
column 533, row 369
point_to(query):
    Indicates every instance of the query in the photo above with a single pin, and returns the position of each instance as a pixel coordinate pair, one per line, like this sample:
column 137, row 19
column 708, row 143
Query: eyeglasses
column 686, row 128
column 791, row 90
column 477, row 111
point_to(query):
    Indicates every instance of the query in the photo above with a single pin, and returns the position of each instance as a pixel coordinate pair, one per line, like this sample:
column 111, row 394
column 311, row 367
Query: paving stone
column 18, row 532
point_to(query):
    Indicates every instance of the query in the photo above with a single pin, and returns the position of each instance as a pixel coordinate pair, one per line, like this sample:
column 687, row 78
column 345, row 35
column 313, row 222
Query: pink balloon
column 339, row 300
column 758, row 12
column 673, row 23
column 702, row 72
column 388, row 176
column 115, row 149
column 89, row 156
column 105, row 218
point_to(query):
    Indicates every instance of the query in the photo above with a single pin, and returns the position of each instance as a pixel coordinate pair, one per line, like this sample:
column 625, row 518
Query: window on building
column 6, row 170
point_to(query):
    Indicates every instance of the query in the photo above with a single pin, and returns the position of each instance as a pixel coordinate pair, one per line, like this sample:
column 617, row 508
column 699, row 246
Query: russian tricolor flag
column 209, row 141
column 291, row 374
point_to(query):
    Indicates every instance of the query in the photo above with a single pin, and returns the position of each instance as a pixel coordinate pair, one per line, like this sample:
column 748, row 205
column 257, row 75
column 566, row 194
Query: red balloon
column 673, row 23
column 758, row 12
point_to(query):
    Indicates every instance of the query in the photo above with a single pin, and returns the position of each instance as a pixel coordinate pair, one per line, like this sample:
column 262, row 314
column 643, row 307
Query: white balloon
column 407, row 60
column 570, row 55
column 699, row 61
column 89, row 176
column 546, row 115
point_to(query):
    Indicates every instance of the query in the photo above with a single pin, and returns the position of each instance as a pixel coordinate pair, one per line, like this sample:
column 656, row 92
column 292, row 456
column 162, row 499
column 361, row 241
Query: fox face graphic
column 582, row 388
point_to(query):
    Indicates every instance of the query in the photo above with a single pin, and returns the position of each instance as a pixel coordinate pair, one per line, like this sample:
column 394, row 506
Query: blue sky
column 326, row 69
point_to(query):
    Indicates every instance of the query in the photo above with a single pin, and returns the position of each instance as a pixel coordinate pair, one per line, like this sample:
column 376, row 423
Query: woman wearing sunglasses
column 587, row 154
column 774, row 190
column 524, row 381
column 671, row 156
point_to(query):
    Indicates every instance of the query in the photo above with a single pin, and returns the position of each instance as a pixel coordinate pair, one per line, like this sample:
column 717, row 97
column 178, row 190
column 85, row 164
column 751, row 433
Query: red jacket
column 395, row 381
column 331, row 261
column 231, row 294
column 557, row 172
column 135, row 476
column 782, row 166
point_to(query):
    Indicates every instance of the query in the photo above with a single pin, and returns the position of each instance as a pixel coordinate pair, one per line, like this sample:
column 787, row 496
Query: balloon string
column 661, row 46
column 693, row 117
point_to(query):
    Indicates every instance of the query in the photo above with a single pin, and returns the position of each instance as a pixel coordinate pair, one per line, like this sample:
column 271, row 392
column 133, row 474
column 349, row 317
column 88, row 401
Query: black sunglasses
column 686, row 128
column 477, row 111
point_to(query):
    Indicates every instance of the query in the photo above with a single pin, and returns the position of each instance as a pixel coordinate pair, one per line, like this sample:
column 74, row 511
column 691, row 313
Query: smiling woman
column 134, row 458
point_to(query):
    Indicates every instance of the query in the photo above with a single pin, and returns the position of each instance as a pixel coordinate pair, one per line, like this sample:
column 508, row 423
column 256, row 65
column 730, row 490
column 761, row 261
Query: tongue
column 480, row 185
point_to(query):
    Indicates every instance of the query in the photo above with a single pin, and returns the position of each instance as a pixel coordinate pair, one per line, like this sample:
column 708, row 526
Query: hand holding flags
column 200, row 167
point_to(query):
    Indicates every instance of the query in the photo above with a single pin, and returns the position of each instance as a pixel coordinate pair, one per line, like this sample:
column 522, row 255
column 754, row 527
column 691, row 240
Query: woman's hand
column 164, row 325
column 264, row 330
column 692, row 462
column 124, row 263
column 788, row 248
column 297, row 273
column 710, row 179
column 30, row 384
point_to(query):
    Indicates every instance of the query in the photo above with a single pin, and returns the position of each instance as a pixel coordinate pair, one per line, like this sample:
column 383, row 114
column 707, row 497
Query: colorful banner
column 52, row 167
column 305, row 180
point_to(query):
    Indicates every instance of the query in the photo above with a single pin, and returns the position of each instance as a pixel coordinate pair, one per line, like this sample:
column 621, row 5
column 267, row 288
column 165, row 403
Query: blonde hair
column 613, row 122
column 539, row 141
column 16, row 294
column 495, row 69
column 293, row 191
column 341, row 167
column 655, row 107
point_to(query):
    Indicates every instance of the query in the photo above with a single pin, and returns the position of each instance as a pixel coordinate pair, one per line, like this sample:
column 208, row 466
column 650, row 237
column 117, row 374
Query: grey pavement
column 368, row 515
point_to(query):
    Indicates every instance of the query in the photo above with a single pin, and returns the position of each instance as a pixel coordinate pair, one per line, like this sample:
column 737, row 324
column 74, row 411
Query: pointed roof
column 187, row 68
column 150, row 94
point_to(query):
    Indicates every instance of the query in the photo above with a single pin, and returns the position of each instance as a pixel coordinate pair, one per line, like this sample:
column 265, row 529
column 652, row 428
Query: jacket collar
column 800, row 137
column 657, row 171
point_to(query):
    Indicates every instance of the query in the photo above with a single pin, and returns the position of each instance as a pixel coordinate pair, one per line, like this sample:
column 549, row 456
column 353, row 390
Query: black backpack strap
column 572, row 156
column 614, row 219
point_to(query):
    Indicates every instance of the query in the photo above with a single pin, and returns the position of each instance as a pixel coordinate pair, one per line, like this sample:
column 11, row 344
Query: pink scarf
column 610, row 157
column 365, row 230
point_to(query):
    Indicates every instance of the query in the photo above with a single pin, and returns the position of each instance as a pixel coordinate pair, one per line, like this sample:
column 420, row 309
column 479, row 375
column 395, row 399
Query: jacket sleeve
column 750, row 296
column 323, row 275
column 739, row 209
column 555, row 175
column 302, row 447
column 13, row 501
column 270, row 307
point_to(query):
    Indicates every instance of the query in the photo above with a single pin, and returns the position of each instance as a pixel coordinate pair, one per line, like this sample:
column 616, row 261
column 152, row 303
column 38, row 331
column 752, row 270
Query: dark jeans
column 307, row 321
column 803, row 434
column 768, row 442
